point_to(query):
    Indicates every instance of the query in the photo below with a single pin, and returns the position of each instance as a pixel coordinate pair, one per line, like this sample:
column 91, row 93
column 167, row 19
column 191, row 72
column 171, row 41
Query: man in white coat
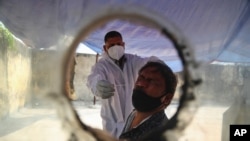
column 112, row 79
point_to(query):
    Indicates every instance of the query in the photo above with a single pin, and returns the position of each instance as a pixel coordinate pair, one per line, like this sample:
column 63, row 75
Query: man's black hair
column 112, row 34
column 166, row 72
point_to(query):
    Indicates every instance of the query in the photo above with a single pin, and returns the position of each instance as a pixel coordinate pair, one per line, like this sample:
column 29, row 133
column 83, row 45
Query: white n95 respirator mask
column 116, row 52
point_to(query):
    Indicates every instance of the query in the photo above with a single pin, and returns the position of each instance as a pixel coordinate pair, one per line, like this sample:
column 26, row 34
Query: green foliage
column 6, row 37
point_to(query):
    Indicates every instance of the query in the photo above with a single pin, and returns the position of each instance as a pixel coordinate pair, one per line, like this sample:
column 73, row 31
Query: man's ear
column 167, row 99
column 123, row 44
column 104, row 48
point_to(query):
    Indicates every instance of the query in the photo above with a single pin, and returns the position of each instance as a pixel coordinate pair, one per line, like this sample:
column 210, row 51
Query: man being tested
column 153, row 92
column 112, row 79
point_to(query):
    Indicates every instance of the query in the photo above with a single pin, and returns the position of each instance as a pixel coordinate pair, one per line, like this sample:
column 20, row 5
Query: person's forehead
column 149, row 69
column 152, row 72
column 114, row 40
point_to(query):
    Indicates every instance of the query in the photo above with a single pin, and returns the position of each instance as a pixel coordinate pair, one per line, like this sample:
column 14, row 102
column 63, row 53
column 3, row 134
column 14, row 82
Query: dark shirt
column 152, row 123
column 120, row 62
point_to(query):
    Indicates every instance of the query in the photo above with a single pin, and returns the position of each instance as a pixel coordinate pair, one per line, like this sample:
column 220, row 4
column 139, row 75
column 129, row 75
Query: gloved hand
column 104, row 89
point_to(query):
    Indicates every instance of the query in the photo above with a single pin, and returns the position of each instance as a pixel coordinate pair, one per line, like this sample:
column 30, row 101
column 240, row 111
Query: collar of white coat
column 105, row 55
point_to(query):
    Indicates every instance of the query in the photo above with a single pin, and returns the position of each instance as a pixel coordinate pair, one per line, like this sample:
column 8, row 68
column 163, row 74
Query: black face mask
column 144, row 103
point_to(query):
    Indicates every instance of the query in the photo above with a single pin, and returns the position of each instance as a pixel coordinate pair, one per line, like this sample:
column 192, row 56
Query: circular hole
column 164, row 27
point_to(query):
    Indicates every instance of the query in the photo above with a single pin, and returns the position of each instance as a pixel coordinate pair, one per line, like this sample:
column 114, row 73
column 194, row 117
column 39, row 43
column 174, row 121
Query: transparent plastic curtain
column 218, row 31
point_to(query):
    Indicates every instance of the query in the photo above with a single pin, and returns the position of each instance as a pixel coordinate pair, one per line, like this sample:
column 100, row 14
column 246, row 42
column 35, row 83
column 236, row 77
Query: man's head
column 154, row 87
column 114, row 45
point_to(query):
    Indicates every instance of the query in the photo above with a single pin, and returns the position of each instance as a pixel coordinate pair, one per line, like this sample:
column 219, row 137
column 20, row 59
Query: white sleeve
column 140, row 61
column 95, row 75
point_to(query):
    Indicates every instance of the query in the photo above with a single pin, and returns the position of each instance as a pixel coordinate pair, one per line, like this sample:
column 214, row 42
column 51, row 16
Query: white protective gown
column 116, row 109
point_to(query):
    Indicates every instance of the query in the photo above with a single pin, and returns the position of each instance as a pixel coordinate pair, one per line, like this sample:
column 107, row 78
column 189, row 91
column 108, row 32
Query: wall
column 83, row 66
column 43, row 75
column 43, row 79
column 222, row 83
column 15, row 73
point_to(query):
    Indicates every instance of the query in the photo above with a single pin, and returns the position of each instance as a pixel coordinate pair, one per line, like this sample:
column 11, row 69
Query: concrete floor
column 40, row 124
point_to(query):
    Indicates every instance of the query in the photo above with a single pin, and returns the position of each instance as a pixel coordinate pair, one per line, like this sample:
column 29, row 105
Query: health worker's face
column 112, row 42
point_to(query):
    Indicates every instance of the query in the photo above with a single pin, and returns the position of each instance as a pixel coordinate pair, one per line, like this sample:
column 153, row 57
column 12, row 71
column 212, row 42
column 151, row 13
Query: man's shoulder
column 103, row 62
column 131, row 56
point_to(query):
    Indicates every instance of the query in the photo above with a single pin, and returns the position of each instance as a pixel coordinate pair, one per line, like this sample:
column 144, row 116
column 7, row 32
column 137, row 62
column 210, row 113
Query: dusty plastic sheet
column 222, row 36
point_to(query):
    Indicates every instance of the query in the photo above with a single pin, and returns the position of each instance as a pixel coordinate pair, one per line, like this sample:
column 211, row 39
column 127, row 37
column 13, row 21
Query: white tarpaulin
column 83, row 49
column 219, row 30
